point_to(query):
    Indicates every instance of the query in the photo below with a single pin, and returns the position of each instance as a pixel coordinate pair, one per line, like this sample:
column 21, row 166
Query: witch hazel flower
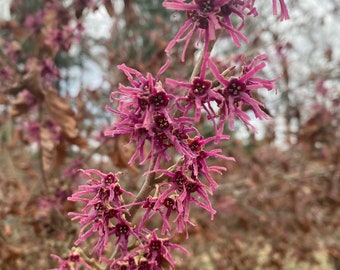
column 145, row 113
column 166, row 209
column 151, row 211
column 103, row 208
column 123, row 230
column 73, row 261
column 153, row 253
column 49, row 72
column 176, row 195
column 237, row 91
column 180, row 192
column 198, row 164
column 199, row 97
column 156, row 251
column 142, row 107
column 206, row 17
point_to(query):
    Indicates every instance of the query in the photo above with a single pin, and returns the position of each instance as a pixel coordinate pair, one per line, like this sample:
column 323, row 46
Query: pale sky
column 4, row 10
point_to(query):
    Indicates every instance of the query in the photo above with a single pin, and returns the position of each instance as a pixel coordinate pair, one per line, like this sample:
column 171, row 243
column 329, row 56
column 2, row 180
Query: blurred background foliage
column 278, row 205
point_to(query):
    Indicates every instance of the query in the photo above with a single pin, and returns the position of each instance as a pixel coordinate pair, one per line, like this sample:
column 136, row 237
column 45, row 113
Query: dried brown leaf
column 15, row 28
column 79, row 141
column 48, row 145
column 62, row 113
column 3, row 99
column 31, row 81
column 19, row 106
column 121, row 154
column 60, row 155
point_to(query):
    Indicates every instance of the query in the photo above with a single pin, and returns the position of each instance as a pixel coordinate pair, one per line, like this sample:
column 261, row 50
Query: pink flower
column 180, row 193
column 236, row 91
column 123, row 230
column 199, row 97
column 152, row 253
column 156, row 251
column 205, row 17
column 73, row 261
column 145, row 112
column 198, row 164
column 102, row 208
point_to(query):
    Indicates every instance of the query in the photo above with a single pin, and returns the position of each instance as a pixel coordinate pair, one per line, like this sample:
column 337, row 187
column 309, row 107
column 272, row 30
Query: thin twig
column 95, row 150
column 88, row 260
column 224, row 74
column 145, row 191
column 41, row 158
column 198, row 65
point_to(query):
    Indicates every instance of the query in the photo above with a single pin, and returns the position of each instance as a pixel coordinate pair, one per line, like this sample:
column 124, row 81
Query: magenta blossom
column 123, row 230
column 205, row 17
column 156, row 251
column 73, row 261
column 180, row 192
column 237, row 91
column 145, row 112
column 103, row 199
column 35, row 22
column 198, row 164
column 152, row 253
column 200, row 96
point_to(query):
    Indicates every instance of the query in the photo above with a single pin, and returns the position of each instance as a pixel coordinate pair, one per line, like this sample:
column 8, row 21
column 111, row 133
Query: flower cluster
column 223, row 100
column 73, row 261
column 161, row 123
column 104, row 213
column 145, row 112
column 207, row 17
column 153, row 254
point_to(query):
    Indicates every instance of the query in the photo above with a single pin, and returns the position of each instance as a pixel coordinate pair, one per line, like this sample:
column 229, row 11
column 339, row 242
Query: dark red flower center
column 195, row 144
column 110, row 179
column 121, row 229
column 179, row 178
column 103, row 193
column 205, row 5
column 202, row 22
column 148, row 203
column 142, row 103
column 180, row 134
column 235, row 87
column 111, row 213
column 99, row 207
column 168, row 202
column 226, row 10
column 155, row 245
column 117, row 190
column 161, row 121
column 74, row 257
column 159, row 100
column 191, row 186
column 162, row 140
column 200, row 87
